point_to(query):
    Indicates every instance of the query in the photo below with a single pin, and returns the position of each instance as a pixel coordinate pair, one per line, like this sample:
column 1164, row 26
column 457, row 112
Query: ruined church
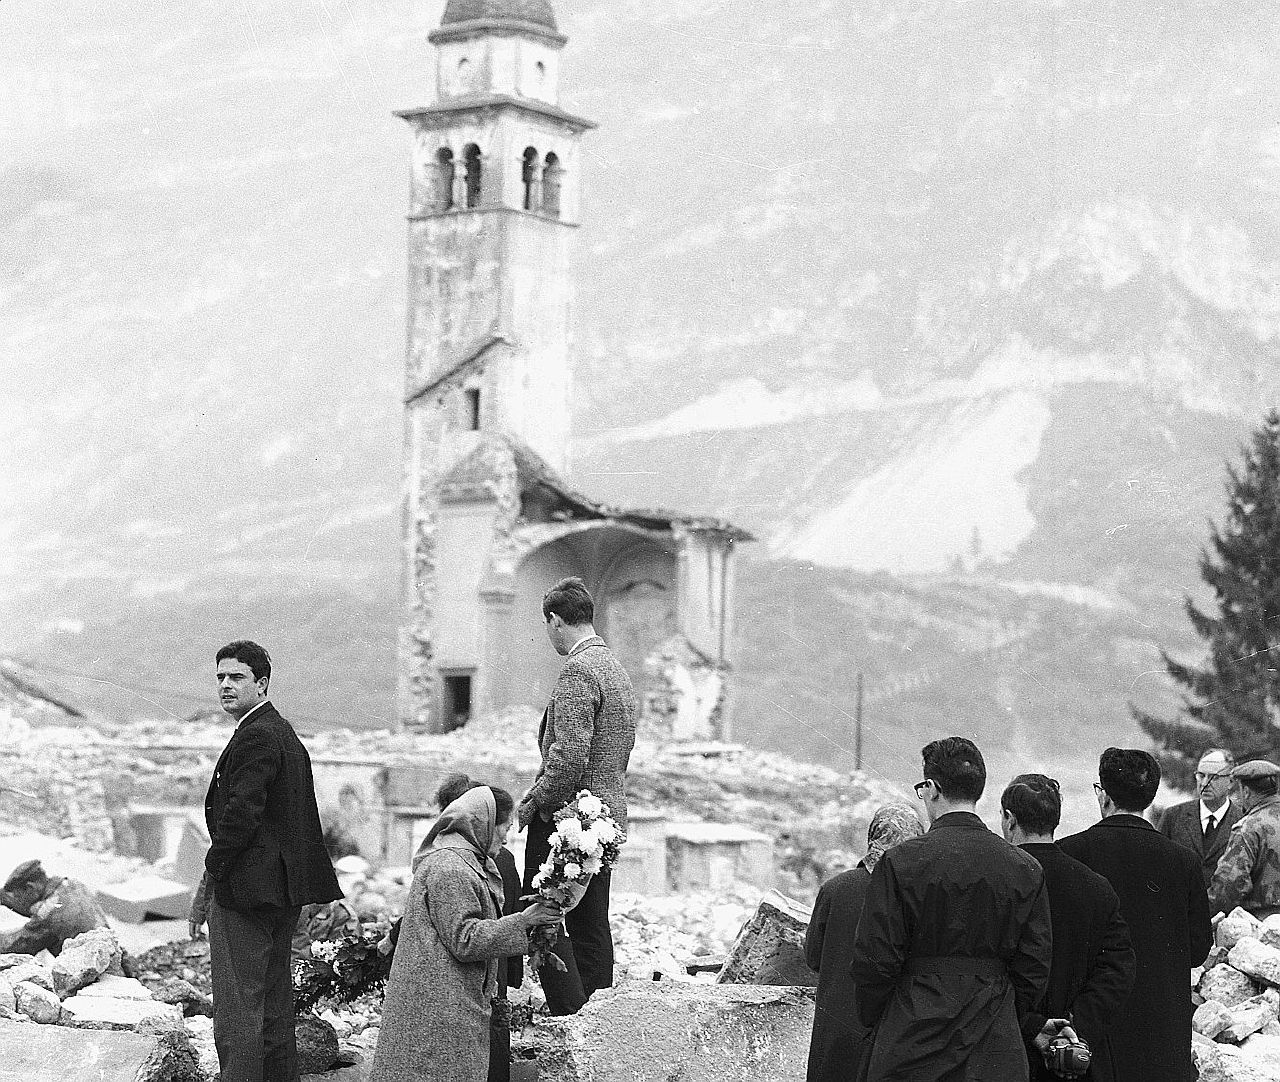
column 490, row 520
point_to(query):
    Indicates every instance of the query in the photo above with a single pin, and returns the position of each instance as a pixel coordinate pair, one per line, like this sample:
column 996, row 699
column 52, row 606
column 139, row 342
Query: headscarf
column 891, row 824
column 469, row 824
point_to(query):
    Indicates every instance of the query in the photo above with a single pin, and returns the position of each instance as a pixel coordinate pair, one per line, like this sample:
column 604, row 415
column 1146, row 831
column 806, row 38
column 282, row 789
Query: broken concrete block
column 1263, row 1051
column 188, row 861
column 112, row 987
column 84, row 959
column 1234, row 927
column 7, row 1001
column 1228, row 986
column 100, row 1012
column 183, row 994
column 690, row 1032
column 1249, row 1017
column 8, row 961
column 1211, row 1018
column 1252, row 956
column 55, row 1054
column 28, row 971
column 1228, row 1064
column 770, row 948
column 135, row 899
column 1270, row 933
column 38, row 1004
column 713, row 856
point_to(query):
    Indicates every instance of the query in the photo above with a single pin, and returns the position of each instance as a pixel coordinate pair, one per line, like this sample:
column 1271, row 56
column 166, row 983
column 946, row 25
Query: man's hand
column 1051, row 1029
column 524, row 813
column 198, row 915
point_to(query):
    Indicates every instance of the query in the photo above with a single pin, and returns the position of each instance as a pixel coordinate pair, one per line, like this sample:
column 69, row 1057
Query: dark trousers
column 587, row 949
column 253, row 993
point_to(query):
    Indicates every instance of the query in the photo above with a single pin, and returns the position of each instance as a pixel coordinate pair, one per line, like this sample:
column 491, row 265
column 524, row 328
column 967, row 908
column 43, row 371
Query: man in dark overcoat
column 1204, row 825
column 586, row 737
column 1093, row 962
column 266, row 860
column 1163, row 901
column 954, row 942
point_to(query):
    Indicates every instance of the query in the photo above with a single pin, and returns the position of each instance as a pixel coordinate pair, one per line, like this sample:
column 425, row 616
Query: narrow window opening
column 472, row 160
column 473, row 409
column 529, row 176
column 551, row 177
column 457, row 701
column 444, row 179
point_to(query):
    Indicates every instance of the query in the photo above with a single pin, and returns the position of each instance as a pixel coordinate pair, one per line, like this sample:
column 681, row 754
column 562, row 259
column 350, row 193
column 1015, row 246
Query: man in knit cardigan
column 586, row 737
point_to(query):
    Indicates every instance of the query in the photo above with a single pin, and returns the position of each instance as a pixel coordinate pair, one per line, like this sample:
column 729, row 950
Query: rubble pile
column 1236, row 1026
column 666, row 935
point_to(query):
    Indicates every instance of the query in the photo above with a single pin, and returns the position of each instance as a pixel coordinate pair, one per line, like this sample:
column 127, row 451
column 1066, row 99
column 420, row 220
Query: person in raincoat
column 436, row 1011
column 954, row 944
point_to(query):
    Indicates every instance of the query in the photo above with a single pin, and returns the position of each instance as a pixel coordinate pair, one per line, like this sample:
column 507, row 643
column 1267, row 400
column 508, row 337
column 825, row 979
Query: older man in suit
column 1163, row 901
column 586, row 737
column 1203, row 825
column 266, row 860
column 1093, row 962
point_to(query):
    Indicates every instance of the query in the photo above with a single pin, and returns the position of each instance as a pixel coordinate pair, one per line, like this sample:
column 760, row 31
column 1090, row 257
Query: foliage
column 1231, row 698
column 340, row 971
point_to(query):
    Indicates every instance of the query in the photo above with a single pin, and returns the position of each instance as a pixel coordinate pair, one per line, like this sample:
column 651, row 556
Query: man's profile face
column 238, row 691
column 1213, row 779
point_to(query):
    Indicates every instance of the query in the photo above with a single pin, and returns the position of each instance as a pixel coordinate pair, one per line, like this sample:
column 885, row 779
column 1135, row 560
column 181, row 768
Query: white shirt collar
column 253, row 709
column 580, row 642
column 1217, row 815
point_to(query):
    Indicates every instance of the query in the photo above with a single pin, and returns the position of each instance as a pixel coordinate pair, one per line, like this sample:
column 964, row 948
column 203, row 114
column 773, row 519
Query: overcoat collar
column 958, row 820
column 1124, row 821
column 593, row 640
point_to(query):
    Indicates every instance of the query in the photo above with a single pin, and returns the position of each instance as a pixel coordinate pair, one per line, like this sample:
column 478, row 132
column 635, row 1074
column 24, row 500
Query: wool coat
column 437, row 1006
column 587, row 732
column 1164, row 904
column 1181, row 823
column 838, row 1034
column 952, row 949
column 1093, row 962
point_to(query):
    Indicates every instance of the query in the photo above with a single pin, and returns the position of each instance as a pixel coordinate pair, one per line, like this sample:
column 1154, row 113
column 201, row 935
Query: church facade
column 490, row 520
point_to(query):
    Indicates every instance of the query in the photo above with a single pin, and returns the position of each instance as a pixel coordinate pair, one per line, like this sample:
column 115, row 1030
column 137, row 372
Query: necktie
column 1209, row 828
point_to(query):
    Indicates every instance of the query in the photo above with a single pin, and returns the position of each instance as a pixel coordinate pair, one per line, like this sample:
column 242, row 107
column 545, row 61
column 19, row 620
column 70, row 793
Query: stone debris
column 37, row 1003
column 112, row 987
column 1234, row 927
column 59, row 1054
column 1270, row 933
column 1249, row 1017
column 1211, row 1018
column 7, row 1002
column 146, row 896
column 770, row 948
column 1255, row 958
column 1227, row 985
column 31, row 972
column 84, row 959
column 1236, row 1036
column 104, row 1012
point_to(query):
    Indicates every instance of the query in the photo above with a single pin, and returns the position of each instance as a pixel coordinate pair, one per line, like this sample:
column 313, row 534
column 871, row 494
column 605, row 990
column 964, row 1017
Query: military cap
column 1256, row 768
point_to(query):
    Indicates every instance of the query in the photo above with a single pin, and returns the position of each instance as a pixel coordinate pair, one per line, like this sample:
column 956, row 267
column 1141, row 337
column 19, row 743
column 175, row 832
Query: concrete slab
column 31, row 1053
column 136, row 898
column 99, row 1012
column 112, row 987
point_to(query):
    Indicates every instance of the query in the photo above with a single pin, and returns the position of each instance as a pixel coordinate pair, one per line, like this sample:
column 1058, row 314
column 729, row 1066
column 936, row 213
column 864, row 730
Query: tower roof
column 536, row 12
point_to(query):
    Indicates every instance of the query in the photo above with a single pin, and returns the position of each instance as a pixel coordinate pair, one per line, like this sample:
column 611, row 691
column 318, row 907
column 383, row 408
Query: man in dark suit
column 953, row 945
column 1164, row 904
column 1093, row 963
column 266, row 860
column 586, row 737
column 1204, row 825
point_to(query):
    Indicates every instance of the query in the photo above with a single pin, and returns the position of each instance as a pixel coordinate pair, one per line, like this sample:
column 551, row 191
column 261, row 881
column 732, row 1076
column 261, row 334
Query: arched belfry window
column 552, row 172
column 529, row 177
column 444, row 179
column 471, row 158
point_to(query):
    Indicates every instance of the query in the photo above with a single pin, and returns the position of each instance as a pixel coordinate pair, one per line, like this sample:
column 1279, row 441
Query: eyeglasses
column 1210, row 777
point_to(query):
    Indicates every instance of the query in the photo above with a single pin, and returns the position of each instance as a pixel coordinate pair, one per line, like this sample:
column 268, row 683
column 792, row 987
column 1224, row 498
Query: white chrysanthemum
column 592, row 865
column 572, row 870
column 570, row 830
column 590, row 805
column 538, row 880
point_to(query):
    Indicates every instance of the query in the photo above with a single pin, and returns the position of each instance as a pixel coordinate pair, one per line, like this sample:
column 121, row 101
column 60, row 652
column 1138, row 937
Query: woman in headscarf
column 435, row 1014
column 836, row 1047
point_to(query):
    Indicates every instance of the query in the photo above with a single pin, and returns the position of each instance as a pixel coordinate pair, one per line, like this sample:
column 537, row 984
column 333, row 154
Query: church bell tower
column 492, row 224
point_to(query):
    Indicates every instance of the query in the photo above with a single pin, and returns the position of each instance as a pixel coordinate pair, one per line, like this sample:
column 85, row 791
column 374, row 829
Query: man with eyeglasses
column 1203, row 825
column 954, row 943
column 1164, row 904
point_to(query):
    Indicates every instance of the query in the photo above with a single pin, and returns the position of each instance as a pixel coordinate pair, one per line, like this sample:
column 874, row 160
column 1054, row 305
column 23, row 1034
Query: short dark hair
column 247, row 653
column 1035, row 801
column 955, row 765
column 1130, row 777
column 571, row 601
column 1267, row 786
column 455, row 785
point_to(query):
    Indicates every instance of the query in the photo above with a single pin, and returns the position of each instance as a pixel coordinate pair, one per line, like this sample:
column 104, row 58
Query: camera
column 1067, row 1056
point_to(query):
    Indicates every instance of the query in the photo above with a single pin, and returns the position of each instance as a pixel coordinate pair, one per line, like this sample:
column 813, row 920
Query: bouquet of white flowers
column 586, row 840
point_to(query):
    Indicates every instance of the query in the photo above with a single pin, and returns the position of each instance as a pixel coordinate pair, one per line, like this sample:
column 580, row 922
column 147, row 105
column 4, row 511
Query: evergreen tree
column 1232, row 699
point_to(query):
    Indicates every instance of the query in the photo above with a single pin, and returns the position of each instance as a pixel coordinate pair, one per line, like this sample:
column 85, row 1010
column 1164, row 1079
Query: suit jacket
column 1164, row 904
column 1093, row 961
column 266, row 842
column 952, row 949
column 1181, row 823
column 587, row 732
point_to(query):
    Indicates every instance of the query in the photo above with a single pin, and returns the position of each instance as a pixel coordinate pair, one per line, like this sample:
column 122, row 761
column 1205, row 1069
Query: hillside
column 977, row 296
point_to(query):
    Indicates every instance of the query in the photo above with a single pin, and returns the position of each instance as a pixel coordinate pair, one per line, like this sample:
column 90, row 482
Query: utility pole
column 857, row 726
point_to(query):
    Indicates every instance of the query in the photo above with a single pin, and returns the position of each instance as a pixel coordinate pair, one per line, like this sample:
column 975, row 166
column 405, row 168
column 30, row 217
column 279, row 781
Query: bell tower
column 493, row 221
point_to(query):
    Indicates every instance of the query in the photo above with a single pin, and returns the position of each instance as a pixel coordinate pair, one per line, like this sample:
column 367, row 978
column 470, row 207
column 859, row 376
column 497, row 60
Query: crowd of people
column 952, row 954
column 949, row 954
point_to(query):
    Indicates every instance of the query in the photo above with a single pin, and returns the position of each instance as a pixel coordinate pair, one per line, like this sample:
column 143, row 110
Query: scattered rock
column 7, row 1002
column 1211, row 1018
column 28, row 971
column 109, row 986
column 1227, row 985
column 1255, row 958
column 100, row 1012
column 38, row 1004
column 1234, row 927
column 1264, row 1051
column 184, row 994
column 1271, row 930
column 1250, row 1016
column 84, row 959
column 317, row 1044
column 770, row 948
column 8, row 961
